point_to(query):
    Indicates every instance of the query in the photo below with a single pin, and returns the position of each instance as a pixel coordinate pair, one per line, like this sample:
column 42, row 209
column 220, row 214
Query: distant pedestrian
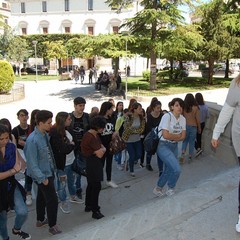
column 82, row 73
column 76, row 74
column 90, row 75
column 231, row 109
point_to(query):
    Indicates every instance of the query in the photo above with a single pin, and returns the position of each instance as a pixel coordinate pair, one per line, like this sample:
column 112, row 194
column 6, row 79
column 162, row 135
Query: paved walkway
column 204, row 207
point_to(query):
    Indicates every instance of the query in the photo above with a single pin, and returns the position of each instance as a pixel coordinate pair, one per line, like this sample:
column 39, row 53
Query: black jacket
column 60, row 148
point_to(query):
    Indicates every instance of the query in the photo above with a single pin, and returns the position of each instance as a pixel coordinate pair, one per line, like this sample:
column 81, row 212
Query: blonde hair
column 237, row 80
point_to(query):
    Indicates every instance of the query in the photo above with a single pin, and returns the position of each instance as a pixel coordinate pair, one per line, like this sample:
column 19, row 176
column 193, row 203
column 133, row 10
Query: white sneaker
column 158, row 191
column 29, row 200
column 238, row 225
column 111, row 184
column 120, row 167
column 170, row 192
column 64, row 206
column 75, row 199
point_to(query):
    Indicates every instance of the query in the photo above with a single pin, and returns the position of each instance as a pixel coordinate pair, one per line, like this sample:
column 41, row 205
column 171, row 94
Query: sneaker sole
column 158, row 194
column 77, row 202
column 65, row 212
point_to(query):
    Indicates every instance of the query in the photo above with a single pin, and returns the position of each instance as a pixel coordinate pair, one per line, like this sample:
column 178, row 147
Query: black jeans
column 198, row 142
column 108, row 157
column 47, row 200
column 92, row 195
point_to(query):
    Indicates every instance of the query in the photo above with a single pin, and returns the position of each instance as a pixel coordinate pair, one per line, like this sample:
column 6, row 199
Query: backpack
column 151, row 141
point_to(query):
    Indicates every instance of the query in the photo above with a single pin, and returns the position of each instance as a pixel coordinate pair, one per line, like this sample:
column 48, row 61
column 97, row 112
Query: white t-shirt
column 172, row 124
column 69, row 157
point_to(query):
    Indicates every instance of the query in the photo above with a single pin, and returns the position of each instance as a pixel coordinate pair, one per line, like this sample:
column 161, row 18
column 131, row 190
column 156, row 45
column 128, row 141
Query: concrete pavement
column 204, row 206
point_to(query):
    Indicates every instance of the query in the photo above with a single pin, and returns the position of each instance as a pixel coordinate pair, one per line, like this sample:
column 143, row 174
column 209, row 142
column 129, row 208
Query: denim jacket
column 36, row 152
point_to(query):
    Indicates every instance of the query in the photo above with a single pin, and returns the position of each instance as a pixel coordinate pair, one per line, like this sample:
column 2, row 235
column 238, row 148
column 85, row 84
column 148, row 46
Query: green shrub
column 146, row 75
column 162, row 74
column 201, row 66
column 6, row 76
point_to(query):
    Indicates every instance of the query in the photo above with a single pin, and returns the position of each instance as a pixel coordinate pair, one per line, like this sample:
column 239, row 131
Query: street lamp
column 35, row 49
column 67, row 62
column 126, row 33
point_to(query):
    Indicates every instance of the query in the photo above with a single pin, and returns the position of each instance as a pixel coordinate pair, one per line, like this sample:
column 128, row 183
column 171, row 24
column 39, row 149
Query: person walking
column 41, row 167
column 172, row 129
column 134, row 127
column 204, row 114
column 93, row 151
column 153, row 120
column 231, row 109
column 12, row 194
column 192, row 114
column 106, row 136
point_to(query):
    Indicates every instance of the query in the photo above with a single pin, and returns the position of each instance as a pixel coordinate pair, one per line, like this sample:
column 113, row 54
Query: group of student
column 45, row 153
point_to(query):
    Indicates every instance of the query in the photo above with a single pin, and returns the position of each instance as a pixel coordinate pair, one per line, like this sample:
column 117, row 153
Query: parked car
column 32, row 69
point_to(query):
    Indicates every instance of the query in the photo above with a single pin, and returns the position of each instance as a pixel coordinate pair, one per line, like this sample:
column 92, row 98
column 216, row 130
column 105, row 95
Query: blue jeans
column 69, row 181
column 168, row 151
column 191, row 132
column 21, row 214
column 135, row 152
column 118, row 158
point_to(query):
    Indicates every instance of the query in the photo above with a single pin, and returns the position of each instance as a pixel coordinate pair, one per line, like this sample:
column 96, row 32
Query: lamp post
column 35, row 50
column 126, row 33
column 67, row 62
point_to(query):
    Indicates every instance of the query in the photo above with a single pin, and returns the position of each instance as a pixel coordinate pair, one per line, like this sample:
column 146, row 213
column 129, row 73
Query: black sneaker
column 79, row 193
column 141, row 165
column 149, row 167
column 21, row 234
column 97, row 215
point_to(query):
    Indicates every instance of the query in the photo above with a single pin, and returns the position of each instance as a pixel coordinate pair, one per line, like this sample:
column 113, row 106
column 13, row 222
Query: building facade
column 91, row 17
column 5, row 12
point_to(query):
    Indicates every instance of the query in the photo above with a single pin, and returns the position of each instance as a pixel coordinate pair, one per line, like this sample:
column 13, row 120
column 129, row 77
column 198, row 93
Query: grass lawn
column 32, row 77
column 140, row 87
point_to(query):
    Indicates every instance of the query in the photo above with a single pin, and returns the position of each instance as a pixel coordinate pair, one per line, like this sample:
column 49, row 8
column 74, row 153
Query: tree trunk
column 227, row 69
column 180, row 64
column 153, row 52
column 153, row 71
column 210, row 76
column 147, row 63
column 116, row 65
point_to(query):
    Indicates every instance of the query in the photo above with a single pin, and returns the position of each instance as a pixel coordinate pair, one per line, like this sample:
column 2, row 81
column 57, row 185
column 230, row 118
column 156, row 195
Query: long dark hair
column 33, row 120
column 6, row 122
column 60, row 124
column 105, row 107
column 199, row 99
column 189, row 102
column 3, row 129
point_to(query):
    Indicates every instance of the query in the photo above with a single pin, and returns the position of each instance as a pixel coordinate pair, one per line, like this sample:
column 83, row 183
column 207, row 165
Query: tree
column 213, row 32
column 5, row 40
column 55, row 50
column 155, row 16
column 17, row 50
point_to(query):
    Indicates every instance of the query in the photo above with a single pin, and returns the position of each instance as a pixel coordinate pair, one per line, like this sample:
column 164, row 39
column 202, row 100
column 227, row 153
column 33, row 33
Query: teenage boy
column 41, row 166
column 20, row 133
column 79, row 125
